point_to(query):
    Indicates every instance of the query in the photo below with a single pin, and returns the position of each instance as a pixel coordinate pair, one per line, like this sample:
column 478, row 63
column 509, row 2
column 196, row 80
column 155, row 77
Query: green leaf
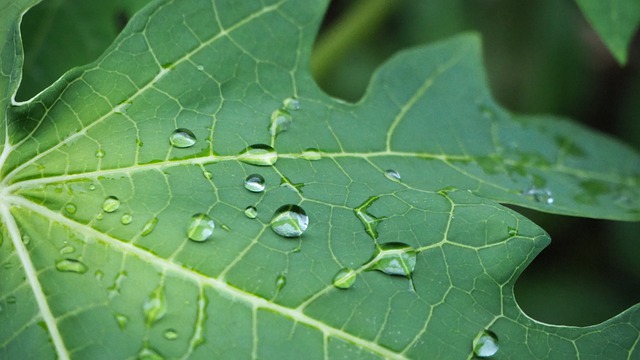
column 616, row 21
column 129, row 230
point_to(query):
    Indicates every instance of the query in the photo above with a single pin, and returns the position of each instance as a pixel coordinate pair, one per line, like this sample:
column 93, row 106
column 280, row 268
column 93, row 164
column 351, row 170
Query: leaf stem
column 359, row 21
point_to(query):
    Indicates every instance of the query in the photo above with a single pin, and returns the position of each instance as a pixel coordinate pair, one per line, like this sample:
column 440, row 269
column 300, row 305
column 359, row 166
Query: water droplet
column 392, row 175
column 70, row 208
column 68, row 249
column 394, row 258
column 281, row 281
column 149, row 226
column 182, row 138
column 280, row 121
column 291, row 103
column 485, row 344
column 225, row 227
column 100, row 154
column 26, row 239
column 92, row 187
column 11, row 299
column 126, row 219
column 344, row 278
column 258, row 154
column 111, row 204
column 170, row 334
column 540, row 195
column 200, row 227
column 71, row 265
column 155, row 306
column 207, row 175
column 122, row 321
column 99, row 275
column 369, row 221
column 149, row 354
column 100, row 216
column 289, row 221
column 251, row 212
column 513, row 231
column 122, row 108
column 254, row 183
column 311, row 154
column 200, row 67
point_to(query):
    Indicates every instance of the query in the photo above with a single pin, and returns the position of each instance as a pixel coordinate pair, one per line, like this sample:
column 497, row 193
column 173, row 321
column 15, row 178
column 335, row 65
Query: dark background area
column 542, row 57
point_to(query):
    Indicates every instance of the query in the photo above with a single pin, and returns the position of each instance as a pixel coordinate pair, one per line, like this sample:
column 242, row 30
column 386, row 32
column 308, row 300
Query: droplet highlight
column 344, row 278
column 392, row 175
column 311, row 154
column 485, row 344
column 254, row 183
column 71, row 265
column 200, row 227
column 110, row 204
column 258, row 154
column 280, row 121
column 290, row 221
column 182, row 138
column 251, row 212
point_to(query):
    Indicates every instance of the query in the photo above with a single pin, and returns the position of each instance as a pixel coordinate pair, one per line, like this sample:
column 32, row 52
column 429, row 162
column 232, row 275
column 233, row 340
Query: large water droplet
column 149, row 226
column 392, row 175
column 280, row 121
column 110, row 204
column 485, row 344
column 311, row 154
column 258, row 154
column 170, row 334
column 344, row 278
column 182, row 138
column 289, row 221
column 71, row 265
column 254, row 183
column 251, row 212
column 291, row 103
column 155, row 306
column 394, row 258
column 540, row 195
column 126, row 219
column 200, row 227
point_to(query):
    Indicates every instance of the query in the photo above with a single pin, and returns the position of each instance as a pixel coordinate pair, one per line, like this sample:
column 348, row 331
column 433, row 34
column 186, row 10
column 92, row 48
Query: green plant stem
column 358, row 22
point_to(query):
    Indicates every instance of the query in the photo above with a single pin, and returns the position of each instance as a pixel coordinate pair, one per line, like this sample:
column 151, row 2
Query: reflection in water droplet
column 344, row 278
column 149, row 226
column 311, row 154
column 258, row 154
column 392, row 175
column 68, row 249
column 70, row 208
column 251, row 212
column 281, row 281
column 71, row 265
column 289, row 221
column 200, row 227
column 182, row 138
column 513, row 231
column 254, row 183
column 126, row 219
column 540, row 195
column 111, row 204
column 170, row 334
column 485, row 344
column 155, row 306
column 100, row 154
column 122, row 321
column 394, row 258
column 291, row 103
column 280, row 121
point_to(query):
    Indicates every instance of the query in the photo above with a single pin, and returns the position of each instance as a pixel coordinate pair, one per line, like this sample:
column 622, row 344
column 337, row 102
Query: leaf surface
column 112, row 177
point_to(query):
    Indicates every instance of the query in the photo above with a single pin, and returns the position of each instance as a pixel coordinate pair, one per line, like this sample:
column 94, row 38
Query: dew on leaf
column 99, row 275
column 280, row 121
column 110, row 204
column 394, row 258
column 126, row 219
column 258, row 154
column 291, row 103
column 344, row 278
column 311, row 154
column 485, row 344
column 225, row 227
column 251, row 212
column 512, row 231
column 70, row 208
column 369, row 221
column 200, row 227
column 540, row 195
column 71, row 265
column 122, row 321
column 281, row 281
column 67, row 249
column 254, row 183
column 207, row 175
column 100, row 154
column 149, row 226
column 26, row 239
column 289, row 221
column 182, row 138
column 149, row 354
column 92, row 187
column 170, row 334
column 392, row 175
column 154, row 306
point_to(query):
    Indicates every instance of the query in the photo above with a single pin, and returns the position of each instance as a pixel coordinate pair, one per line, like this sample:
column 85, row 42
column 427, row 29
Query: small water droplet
column 182, row 138
column 122, row 321
column 68, row 249
column 251, row 212
column 100, row 154
column 70, row 208
column 26, row 239
column 155, row 306
column 149, row 226
column 122, row 107
column 11, row 299
column 291, row 103
column 394, row 258
column 281, row 281
column 200, row 227
column 170, row 334
column 369, row 221
column 71, row 265
column 126, row 219
column 258, row 154
column 289, row 221
column 344, row 278
column 513, row 231
column 149, row 354
column 392, row 175
column 99, row 275
column 110, row 204
column 207, row 175
column 485, row 344
column 254, row 183
column 311, row 154
column 280, row 121
column 200, row 67
column 92, row 187
column 225, row 227
column 540, row 195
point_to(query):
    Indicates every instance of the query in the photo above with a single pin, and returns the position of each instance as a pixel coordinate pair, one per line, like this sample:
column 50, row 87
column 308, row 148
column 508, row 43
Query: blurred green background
column 541, row 57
